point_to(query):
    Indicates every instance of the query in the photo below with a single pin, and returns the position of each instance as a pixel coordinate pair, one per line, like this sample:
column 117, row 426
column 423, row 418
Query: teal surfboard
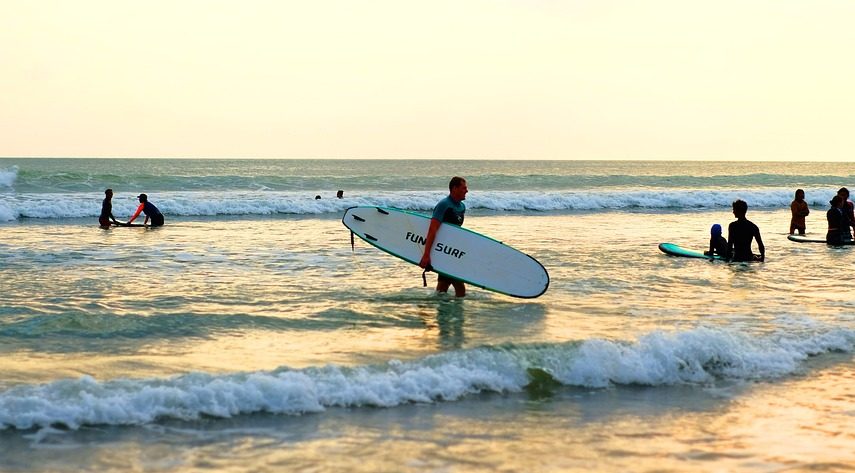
column 457, row 252
column 676, row 250
column 811, row 239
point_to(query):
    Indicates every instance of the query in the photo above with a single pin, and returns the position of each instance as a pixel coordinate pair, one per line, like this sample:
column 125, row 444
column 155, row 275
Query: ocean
column 248, row 335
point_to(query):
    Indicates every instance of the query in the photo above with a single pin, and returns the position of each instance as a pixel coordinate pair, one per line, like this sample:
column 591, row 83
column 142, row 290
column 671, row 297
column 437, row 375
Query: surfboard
column 677, row 250
column 808, row 239
column 457, row 252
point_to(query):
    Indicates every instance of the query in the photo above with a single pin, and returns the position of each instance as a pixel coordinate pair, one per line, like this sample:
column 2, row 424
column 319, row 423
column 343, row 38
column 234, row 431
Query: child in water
column 800, row 210
column 718, row 244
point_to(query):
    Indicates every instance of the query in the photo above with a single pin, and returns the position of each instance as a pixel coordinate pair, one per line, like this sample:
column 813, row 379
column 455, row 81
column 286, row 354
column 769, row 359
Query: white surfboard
column 457, row 252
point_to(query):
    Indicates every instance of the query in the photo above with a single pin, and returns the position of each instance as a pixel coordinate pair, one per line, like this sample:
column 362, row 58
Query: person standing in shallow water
column 106, row 218
column 799, row 209
column 740, row 234
column 449, row 210
column 151, row 212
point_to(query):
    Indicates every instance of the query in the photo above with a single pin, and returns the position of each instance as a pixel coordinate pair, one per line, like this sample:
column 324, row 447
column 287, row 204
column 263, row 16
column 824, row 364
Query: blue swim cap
column 715, row 230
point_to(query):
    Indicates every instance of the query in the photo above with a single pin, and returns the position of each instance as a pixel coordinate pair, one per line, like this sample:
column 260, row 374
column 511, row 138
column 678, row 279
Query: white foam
column 204, row 203
column 8, row 176
column 700, row 355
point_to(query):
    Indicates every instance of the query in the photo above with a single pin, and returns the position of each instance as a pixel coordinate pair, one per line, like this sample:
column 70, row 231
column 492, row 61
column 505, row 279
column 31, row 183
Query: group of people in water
column 741, row 233
column 106, row 219
column 840, row 217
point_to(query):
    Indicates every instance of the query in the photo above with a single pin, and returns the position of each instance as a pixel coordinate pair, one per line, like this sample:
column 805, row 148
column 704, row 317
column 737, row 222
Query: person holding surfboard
column 107, row 210
column 151, row 212
column 449, row 210
column 740, row 234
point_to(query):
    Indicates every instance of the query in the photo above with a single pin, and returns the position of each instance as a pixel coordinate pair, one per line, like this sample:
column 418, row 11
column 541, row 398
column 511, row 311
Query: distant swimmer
column 150, row 211
column 340, row 194
column 449, row 210
column 740, row 233
column 838, row 222
column 718, row 244
column 799, row 209
column 107, row 210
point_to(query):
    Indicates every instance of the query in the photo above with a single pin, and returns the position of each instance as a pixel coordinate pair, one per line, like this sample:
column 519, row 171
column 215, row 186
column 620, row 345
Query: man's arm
column 431, row 236
column 137, row 213
column 729, row 256
column 760, row 245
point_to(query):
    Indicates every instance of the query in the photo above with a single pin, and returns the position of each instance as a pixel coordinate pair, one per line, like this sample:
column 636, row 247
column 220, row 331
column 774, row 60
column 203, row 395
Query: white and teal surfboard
column 676, row 250
column 457, row 252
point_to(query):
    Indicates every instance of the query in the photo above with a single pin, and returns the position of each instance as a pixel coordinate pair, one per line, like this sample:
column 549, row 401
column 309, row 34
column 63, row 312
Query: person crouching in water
column 718, row 244
column 838, row 223
column 150, row 211
column 800, row 210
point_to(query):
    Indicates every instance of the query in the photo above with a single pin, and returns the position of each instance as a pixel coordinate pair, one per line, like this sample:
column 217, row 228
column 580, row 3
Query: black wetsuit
column 739, row 236
column 838, row 226
column 154, row 214
column 106, row 213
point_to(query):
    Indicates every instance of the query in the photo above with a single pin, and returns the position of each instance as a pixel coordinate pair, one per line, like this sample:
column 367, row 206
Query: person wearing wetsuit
column 718, row 244
column 449, row 210
column 848, row 210
column 740, row 233
column 838, row 222
column 150, row 211
column 107, row 218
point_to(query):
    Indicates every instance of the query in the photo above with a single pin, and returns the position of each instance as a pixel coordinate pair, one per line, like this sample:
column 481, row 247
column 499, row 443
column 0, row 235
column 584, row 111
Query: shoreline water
column 175, row 349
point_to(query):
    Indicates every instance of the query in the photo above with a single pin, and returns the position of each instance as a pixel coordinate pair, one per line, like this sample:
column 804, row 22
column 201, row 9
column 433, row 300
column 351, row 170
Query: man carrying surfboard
column 449, row 210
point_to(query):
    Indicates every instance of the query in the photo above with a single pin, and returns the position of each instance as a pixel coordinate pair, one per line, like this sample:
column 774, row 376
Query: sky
column 479, row 79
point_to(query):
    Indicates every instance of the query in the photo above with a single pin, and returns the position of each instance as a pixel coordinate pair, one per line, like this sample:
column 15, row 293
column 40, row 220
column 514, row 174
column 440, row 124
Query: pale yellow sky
column 594, row 79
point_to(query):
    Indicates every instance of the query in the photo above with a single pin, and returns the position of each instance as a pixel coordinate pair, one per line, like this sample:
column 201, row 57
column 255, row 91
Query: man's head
column 142, row 198
column 843, row 192
column 740, row 208
column 457, row 188
column 108, row 192
column 836, row 201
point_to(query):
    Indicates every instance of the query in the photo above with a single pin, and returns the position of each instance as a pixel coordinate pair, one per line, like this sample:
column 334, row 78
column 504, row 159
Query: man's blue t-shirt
column 449, row 211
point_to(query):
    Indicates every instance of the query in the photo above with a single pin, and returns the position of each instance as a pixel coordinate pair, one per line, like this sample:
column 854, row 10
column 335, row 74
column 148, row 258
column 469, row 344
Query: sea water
column 248, row 335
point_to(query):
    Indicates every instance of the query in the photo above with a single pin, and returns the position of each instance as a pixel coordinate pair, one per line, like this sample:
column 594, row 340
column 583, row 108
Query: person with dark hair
column 740, row 234
column 848, row 210
column 151, row 212
column 449, row 210
column 106, row 219
column 838, row 222
column 799, row 209
column 339, row 194
column 718, row 244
